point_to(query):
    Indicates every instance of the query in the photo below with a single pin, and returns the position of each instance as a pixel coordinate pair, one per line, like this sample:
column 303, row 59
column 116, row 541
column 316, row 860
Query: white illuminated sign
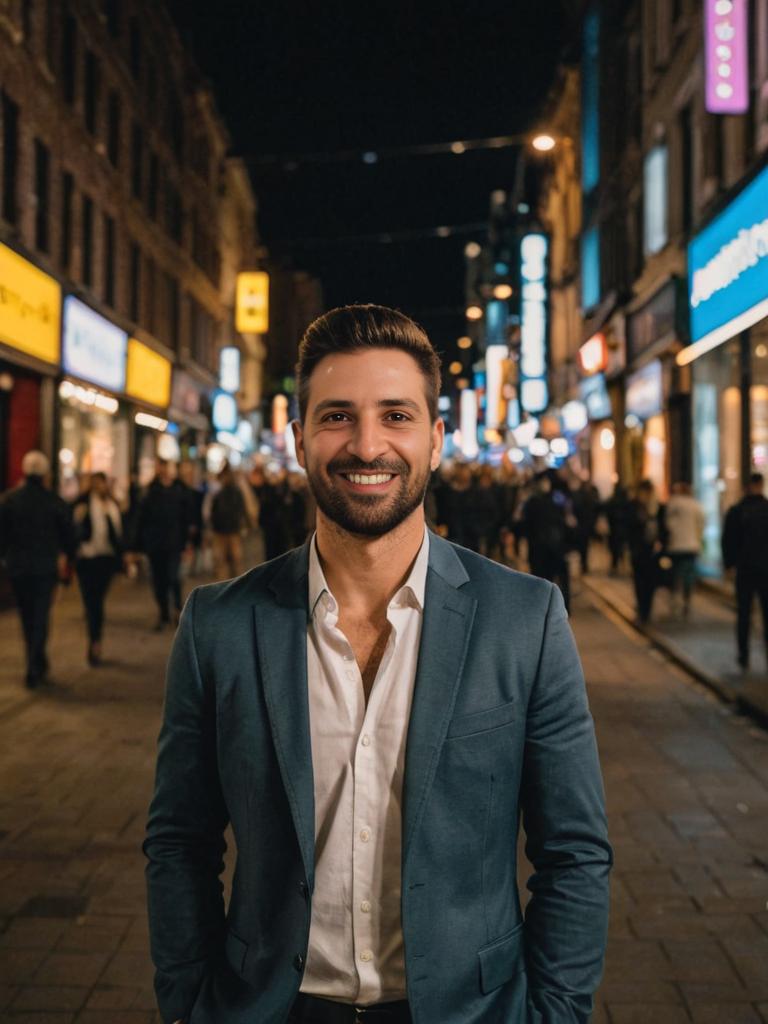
column 468, row 423
column 495, row 355
column 229, row 369
column 224, row 412
column 93, row 348
column 534, row 393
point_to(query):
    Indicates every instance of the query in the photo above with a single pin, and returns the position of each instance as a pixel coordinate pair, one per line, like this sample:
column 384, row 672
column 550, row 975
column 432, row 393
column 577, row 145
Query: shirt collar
column 414, row 587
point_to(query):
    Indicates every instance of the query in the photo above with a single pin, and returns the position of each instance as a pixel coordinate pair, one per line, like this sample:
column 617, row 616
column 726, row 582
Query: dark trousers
column 94, row 576
column 165, row 566
column 553, row 567
column 644, row 574
column 747, row 585
column 616, row 546
column 33, row 596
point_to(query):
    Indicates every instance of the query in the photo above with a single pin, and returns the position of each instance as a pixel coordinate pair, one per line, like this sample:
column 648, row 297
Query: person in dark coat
column 36, row 542
column 618, row 512
column 99, row 532
column 485, row 513
column 162, row 531
column 586, row 507
column 646, row 541
column 228, row 520
column 745, row 549
column 544, row 525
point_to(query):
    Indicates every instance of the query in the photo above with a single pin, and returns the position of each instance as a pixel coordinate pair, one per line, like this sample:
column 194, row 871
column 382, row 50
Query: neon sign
column 534, row 393
column 727, row 59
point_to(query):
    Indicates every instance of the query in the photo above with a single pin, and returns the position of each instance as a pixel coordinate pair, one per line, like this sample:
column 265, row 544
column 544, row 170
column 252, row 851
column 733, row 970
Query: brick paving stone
column 50, row 997
column 647, row 1013
column 118, row 1017
column 114, row 998
column 40, row 1017
column 71, row 968
column 726, row 1013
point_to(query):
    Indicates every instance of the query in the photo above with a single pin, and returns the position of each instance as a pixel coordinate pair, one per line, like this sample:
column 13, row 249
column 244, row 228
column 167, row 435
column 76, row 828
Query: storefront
column 189, row 414
column 93, row 420
column 30, row 329
column 600, row 437
column 728, row 355
column 645, row 427
column 148, row 383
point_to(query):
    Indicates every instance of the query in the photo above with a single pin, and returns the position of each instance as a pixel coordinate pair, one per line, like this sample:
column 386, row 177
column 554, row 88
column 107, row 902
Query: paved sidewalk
column 686, row 781
column 704, row 644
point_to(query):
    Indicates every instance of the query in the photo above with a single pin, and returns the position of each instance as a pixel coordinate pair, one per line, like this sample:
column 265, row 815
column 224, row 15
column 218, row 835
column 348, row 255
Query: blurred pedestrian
column 485, row 513
column 99, row 532
column 545, row 528
column 745, row 549
column 162, row 533
column 195, row 495
column 458, row 505
column 37, row 543
column 618, row 513
column 684, row 519
column 228, row 522
column 586, row 507
column 646, row 543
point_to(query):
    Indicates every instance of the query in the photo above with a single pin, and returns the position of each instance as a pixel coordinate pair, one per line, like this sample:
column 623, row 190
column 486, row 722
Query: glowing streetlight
column 466, row 342
column 458, row 148
column 502, row 291
column 544, row 143
column 455, row 367
column 474, row 313
column 472, row 250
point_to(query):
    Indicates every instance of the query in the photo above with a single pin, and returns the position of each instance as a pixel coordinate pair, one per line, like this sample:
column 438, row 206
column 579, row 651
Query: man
column 36, row 541
column 162, row 531
column 545, row 527
column 371, row 712
column 745, row 549
column 684, row 519
column 228, row 520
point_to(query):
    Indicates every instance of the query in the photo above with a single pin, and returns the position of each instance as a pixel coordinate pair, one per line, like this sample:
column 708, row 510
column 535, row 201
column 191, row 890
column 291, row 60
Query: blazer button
column 303, row 888
column 298, row 962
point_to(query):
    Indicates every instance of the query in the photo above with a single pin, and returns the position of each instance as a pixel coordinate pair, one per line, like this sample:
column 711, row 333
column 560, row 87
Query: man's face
column 368, row 444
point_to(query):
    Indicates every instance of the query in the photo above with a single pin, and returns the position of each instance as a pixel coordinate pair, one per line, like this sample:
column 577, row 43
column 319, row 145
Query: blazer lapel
column 281, row 636
column 448, row 618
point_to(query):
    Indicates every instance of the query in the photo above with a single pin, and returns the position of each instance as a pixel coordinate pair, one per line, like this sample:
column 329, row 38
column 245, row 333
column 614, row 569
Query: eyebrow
column 384, row 403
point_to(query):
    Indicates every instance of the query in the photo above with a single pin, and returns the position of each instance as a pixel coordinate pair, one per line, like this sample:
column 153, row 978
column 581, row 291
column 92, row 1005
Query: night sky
column 294, row 78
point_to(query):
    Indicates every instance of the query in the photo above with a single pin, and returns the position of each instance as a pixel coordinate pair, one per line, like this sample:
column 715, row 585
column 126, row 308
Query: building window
column 113, row 14
column 114, row 111
column 27, row 20
column 42, row 195
column 87, row 228
column 67, row 203
column 153, row 185
column 150, row 304
column 713, row 147
column 134, row 310
column 137, row 160
column 134, row 45
column 655, row 193
column 50, row 32
column 109, row 260
column 10, row 159
column 91, row 91
column 590, row 268
column 175, row 126
column 173, row 309
column 686, row 169
column 174, row 213
column 69, row 59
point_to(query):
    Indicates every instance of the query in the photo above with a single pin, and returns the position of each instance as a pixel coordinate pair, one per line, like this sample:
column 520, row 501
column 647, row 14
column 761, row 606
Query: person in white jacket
column 685, row 531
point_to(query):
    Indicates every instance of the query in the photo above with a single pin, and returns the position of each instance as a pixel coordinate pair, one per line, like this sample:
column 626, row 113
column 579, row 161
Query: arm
column 729, row 541
column 563, row 812
column 185, row 842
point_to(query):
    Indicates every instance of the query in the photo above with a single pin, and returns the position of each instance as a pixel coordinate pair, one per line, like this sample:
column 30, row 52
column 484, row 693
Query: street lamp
column 455, row 367
column 502, row 291
column 466, row 342
column 474, row 313
column 544, row 143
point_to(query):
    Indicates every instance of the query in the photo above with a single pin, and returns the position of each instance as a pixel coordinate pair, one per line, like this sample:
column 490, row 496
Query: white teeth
column 378, row 478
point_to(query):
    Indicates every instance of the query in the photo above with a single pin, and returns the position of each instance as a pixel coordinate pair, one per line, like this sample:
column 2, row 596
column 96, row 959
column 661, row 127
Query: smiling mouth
column 368, row 479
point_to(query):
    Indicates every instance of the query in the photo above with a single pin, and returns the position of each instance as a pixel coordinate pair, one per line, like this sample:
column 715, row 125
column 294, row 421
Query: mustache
column 377, row 466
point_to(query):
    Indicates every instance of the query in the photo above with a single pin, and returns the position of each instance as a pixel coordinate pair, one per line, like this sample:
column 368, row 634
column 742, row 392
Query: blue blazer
column 500, row 731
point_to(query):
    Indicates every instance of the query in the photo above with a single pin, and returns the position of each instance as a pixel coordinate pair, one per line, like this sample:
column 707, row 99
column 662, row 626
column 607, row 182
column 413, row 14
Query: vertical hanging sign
column 727, row 61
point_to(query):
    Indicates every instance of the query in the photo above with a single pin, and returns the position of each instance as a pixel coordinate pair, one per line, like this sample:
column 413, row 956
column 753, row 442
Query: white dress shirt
column 358, row 758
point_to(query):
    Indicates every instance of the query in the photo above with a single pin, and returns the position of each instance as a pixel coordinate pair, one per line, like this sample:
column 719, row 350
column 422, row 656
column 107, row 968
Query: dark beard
column 368, row 515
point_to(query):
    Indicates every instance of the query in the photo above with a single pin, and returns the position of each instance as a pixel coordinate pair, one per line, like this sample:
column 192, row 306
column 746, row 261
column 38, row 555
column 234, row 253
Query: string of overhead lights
column 543, row 143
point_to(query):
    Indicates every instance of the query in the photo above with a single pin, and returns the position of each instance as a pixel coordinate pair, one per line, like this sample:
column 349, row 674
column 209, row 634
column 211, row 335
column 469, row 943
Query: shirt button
column 365, row 906
column 350, row 674
column 366, row 741
column 365, row 835
column 298, row 962
column 366, row 955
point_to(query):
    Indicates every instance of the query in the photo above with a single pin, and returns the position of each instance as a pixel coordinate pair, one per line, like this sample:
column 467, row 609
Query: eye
column 335, row 417
column 398, row 417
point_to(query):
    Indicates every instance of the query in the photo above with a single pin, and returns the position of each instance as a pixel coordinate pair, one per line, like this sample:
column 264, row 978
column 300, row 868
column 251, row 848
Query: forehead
column 366, row 376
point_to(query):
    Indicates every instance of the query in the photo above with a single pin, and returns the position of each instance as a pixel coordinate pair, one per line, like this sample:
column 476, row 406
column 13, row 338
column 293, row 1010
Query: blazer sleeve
column 563, row 809
column 185, row 833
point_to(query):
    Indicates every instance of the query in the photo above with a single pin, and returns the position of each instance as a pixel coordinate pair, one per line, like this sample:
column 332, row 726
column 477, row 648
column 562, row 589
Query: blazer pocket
column 235, row 951
column 481, row 721
column 502, row 960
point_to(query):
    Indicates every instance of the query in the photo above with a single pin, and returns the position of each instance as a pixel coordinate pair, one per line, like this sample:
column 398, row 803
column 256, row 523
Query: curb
column 658, row 640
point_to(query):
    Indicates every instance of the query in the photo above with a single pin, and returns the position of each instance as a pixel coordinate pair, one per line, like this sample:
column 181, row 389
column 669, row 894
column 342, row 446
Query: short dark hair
column 757, row 479
column 360, row 327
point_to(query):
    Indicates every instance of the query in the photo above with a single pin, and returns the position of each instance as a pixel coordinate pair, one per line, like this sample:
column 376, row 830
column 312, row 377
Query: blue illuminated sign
column 594, row 394
column 93, row 348
column 224, row 411
column 728, row 269
column 534, row 392
column 590, row 100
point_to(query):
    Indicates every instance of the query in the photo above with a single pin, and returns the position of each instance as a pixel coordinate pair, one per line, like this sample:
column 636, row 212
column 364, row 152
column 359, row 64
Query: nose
column 368, row 441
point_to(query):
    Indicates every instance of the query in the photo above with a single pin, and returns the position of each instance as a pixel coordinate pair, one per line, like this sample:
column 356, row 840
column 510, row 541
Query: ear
column 438, row 438
column 298, row 438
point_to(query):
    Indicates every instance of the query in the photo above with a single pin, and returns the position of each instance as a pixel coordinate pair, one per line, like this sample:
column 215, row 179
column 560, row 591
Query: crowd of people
column 182, row 524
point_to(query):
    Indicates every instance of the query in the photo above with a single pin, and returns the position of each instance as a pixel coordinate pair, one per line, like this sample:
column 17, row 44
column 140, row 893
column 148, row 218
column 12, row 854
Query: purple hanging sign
column 727, row 61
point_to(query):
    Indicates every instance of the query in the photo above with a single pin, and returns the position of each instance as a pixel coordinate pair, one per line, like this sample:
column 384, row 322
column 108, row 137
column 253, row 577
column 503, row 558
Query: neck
column 365, row 572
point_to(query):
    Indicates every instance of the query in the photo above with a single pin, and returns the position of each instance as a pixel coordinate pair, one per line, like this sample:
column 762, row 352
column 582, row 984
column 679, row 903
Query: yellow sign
column 252, row 302
column 148, row 376
column 30, row 307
